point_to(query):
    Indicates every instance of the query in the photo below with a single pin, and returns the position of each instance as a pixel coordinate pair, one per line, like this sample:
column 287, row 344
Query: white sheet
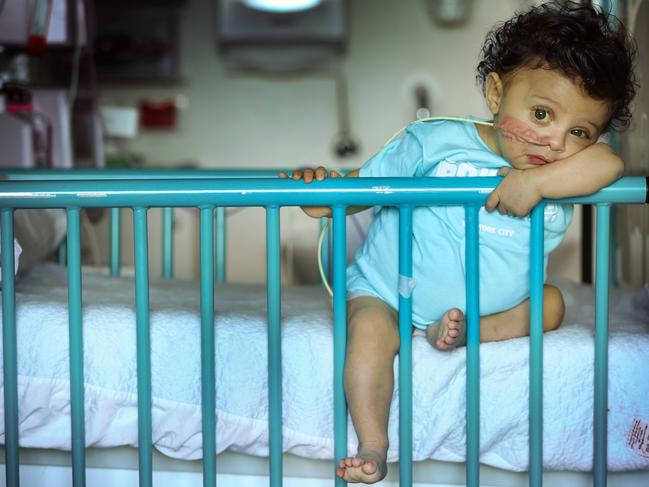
column 241, row 364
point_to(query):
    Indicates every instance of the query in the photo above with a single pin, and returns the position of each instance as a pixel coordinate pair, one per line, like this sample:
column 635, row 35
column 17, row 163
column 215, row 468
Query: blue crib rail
column 213, row 193
column 167, row 213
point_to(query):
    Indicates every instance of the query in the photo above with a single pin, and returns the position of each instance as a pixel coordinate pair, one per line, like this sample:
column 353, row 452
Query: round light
column 281, row 6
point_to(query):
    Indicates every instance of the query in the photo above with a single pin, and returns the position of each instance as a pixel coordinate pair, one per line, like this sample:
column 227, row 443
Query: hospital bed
column 116, row 378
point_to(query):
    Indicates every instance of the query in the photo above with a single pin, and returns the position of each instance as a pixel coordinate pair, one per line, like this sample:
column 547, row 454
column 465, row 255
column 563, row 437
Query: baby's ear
column 604, row 138
column 493, row 92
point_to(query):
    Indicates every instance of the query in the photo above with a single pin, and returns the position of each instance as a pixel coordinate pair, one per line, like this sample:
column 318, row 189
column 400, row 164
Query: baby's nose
column 557, row 141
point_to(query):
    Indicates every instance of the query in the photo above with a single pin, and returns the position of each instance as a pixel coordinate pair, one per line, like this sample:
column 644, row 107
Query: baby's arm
column 585, row 172
column 319, row 174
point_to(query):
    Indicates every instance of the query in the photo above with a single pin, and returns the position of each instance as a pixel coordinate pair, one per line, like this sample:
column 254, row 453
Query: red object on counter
column 18, row 97
column 159, row 115
column 36, row 44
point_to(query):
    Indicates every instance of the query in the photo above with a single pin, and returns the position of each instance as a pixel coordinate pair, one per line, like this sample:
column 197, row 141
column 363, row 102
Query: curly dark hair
column 582, row 42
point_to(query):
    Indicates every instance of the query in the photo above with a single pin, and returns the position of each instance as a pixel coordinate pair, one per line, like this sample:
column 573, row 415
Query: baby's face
column 541, row 116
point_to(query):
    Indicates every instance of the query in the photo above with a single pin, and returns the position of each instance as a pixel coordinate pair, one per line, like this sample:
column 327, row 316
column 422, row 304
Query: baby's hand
column 308, row 175
column 516, row 194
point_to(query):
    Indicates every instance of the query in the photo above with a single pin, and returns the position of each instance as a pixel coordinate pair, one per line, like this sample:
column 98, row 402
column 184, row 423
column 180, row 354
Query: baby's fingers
column 297, row 175
column 320, row 173
column 308, row 175
column 492, row 201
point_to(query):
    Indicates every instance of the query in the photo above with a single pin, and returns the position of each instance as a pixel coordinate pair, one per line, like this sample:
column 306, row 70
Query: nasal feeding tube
column 513, row 129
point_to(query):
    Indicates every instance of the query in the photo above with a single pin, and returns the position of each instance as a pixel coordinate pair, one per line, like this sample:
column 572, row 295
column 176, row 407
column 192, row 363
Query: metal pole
column 208, row 373
column 536, row 347
column 405, row 346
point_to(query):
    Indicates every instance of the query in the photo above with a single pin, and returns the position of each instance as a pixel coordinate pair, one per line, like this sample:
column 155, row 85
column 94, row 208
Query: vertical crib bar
column 405, row 347
column 167, row 242
column 472, row 347
column 340, row 335
column 143, row 340
column 208, row 374
column 603, row 220
column 603, row 237
column 115, row 248
column 536, row 347
column 274, row 345
column 76, row 349
column 220, row 243
column 9, row 346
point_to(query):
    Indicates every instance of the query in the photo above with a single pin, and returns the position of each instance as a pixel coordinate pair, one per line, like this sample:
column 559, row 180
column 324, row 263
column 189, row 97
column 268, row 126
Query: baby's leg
column 450, row 331
column 515, row 322
column 372, row 343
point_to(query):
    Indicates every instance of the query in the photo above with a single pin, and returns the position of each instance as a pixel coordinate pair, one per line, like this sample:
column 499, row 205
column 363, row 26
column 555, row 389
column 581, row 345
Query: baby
column 555, row 78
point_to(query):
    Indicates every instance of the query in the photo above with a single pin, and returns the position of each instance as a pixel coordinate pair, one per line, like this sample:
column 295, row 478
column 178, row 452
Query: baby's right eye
column 541, row 114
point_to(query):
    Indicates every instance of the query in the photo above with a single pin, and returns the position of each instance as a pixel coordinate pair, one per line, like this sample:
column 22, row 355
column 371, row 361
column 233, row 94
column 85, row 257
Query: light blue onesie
column 447, row 149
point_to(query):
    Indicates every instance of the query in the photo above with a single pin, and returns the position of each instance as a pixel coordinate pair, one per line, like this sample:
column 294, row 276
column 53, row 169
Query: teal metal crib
column 211, row 192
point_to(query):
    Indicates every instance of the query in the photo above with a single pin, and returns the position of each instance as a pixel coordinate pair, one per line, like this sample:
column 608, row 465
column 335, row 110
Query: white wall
column 232, row 120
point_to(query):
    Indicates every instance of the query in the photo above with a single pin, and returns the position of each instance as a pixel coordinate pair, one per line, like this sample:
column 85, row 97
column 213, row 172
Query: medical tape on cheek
column 513, row 129
column 406, row 286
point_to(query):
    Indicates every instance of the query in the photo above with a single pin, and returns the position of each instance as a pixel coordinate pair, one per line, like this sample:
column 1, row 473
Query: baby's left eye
column 541, row 114
column 579, row 133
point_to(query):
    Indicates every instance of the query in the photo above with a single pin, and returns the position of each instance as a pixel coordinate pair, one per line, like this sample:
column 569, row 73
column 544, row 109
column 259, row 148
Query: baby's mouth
column 537, row 160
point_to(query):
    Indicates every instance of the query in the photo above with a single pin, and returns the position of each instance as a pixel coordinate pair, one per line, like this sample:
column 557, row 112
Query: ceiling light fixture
column 281, row 6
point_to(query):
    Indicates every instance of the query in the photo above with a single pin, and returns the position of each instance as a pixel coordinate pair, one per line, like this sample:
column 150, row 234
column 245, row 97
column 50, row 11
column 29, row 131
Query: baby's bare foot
column 449, row 332
column 368, row 466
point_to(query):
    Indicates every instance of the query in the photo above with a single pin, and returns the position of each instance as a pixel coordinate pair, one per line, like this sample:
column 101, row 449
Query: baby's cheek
column 518, row 131
column 576, row 144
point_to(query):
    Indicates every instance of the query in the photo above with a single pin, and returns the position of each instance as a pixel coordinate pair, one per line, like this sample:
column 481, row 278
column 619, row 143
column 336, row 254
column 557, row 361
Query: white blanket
column 241, row 375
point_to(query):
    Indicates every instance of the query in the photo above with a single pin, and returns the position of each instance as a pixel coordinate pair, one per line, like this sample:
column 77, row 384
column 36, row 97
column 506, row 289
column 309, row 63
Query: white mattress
column 241, row 365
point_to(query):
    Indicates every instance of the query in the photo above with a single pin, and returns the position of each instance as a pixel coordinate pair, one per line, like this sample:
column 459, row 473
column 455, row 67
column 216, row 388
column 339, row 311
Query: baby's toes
column 455, row 314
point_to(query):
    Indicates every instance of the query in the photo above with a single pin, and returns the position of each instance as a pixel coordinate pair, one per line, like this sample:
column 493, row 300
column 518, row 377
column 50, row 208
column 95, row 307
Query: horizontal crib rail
column 279, row 192
column 210, row 195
